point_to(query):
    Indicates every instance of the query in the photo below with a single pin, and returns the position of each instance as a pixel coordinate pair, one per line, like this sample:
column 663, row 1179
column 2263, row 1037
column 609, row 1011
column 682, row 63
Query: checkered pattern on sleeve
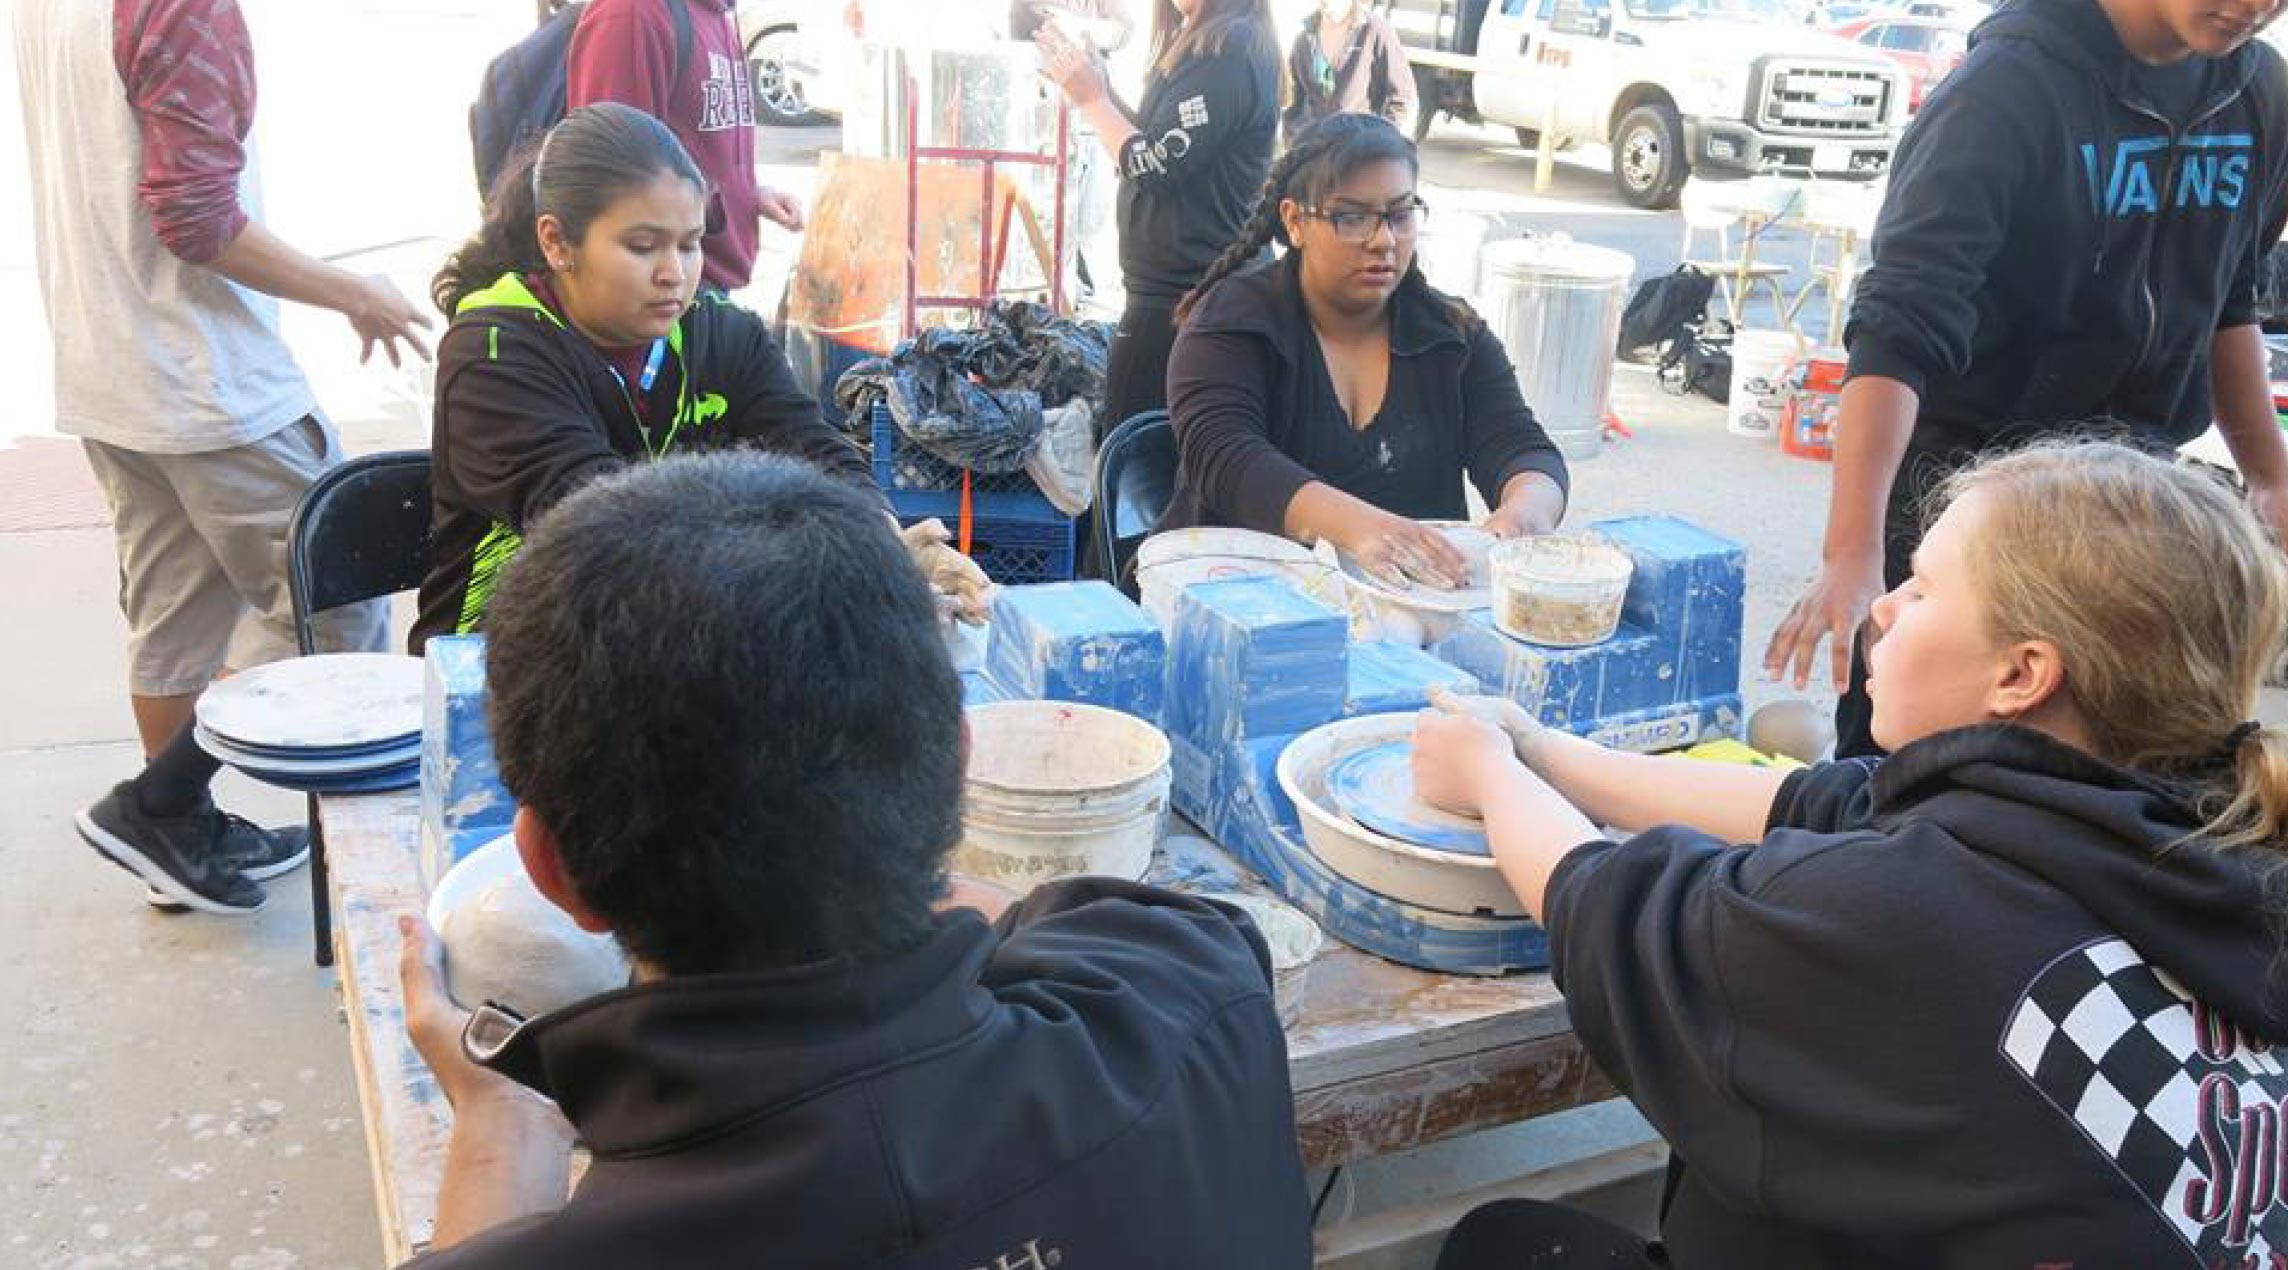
column 2108, row 1039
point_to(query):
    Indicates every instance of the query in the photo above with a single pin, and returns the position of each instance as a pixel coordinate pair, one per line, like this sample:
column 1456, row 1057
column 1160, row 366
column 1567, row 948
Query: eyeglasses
column 1358, row 226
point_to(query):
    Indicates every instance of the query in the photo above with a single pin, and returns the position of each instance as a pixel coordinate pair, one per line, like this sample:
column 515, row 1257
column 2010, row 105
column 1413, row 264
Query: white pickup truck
column 1677, row 88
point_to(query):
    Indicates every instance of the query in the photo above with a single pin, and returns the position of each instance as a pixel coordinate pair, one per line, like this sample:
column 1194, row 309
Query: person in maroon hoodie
column 627, row 51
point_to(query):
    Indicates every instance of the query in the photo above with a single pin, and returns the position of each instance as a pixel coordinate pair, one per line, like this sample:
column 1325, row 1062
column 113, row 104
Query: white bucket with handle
column 1763, row 366
column 1058, row 789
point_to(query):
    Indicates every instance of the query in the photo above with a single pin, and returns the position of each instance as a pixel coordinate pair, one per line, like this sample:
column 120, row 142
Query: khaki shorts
column 202, row 557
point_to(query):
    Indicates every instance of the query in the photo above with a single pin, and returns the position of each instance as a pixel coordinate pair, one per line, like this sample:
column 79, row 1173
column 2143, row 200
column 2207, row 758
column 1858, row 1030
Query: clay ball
column 1793, row 727
column 506, row 943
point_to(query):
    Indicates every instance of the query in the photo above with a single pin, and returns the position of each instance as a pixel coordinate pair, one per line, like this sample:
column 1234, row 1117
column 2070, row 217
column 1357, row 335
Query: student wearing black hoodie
column 2006, row 999
column 2074, row 231
column 819, row 1065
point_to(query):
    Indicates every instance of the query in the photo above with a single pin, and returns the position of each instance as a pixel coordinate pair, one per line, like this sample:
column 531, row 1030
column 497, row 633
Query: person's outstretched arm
column 1947, row 215
column 2242, row 386
column 1630, row 792
column 510, row 1155
column 188, row 69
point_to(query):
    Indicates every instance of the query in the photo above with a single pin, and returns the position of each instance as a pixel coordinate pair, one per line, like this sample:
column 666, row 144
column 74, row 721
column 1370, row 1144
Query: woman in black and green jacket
column 580, row 343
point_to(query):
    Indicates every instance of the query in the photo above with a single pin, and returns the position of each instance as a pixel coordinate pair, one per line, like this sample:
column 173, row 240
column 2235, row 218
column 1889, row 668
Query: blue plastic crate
column 1012, row 549
column 902, row 466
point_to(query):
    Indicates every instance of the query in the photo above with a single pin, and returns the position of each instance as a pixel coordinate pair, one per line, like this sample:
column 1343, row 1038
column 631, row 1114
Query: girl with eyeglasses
column 1332, row 394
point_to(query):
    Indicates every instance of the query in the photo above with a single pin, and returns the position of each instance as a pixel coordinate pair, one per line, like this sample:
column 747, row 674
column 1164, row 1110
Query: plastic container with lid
column 1560, row 590
column 1556, row 306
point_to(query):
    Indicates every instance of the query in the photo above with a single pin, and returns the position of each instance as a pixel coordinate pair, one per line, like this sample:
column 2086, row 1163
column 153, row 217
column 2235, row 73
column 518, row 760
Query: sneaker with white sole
column 259, row 853
column 180, row 857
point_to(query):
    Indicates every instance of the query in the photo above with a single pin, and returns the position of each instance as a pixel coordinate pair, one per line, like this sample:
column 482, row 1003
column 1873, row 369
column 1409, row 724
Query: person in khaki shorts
column 161, row 289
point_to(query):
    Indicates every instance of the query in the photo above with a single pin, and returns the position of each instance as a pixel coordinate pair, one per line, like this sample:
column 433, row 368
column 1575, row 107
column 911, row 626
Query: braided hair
column 1319, row 158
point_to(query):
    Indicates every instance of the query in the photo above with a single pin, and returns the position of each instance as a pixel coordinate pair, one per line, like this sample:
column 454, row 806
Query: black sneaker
column 180, row 857
column 259, row 853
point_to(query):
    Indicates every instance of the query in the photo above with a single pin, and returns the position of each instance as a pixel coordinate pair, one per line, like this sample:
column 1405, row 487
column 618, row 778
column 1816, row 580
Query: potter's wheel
column 1460, row 882
column 1375, row 787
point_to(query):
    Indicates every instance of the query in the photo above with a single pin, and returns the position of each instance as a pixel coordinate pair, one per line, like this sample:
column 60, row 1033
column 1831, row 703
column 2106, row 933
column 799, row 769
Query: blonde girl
column 2006, row 998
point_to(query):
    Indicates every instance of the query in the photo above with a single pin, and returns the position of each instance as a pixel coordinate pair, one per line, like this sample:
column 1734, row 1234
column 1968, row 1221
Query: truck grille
column 1824, row 101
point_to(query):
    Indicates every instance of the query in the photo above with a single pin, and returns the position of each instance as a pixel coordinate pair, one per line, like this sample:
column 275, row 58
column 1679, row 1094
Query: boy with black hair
column 756, row 794
column 2074, row 231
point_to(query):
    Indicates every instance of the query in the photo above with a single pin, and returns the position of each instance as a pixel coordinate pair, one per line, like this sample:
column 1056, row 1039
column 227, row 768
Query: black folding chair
column 361, row 532
column 1135, row 479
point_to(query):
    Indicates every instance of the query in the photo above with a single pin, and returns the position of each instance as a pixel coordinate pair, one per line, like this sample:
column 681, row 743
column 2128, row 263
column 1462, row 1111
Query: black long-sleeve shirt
column 1257, row 418
column 1192, row 174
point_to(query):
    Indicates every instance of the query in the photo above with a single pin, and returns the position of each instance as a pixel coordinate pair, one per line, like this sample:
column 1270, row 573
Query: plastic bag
column 1064, row 465
column 973, row 398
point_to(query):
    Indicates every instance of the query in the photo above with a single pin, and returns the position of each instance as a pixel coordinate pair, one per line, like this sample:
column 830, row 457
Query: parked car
column 1925, row 48
column 1720, row 89
column 802, row 56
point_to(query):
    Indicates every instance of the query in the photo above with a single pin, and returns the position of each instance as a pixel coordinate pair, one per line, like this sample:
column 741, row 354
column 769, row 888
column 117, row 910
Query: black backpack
column 1662, row 310
column 1700, row 360
column 522, row 95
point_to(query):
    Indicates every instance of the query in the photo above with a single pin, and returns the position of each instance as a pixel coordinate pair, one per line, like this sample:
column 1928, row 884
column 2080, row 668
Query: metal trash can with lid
column 1555, row 304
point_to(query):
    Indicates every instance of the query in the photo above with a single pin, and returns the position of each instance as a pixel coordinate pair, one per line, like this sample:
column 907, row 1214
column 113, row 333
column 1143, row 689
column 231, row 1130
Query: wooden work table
column 1382, row 1058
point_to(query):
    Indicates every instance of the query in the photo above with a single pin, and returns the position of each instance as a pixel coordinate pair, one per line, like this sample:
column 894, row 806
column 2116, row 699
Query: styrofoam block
column 1687, row 591
column 1669, row 727
column 979, row 690
column 1386, row 677
column 1077, row 641
column 463, row 804
column 1561, row 686
column 1254, row 657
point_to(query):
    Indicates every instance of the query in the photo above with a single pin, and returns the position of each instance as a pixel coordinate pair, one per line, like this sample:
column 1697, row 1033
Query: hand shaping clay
column 506, row 943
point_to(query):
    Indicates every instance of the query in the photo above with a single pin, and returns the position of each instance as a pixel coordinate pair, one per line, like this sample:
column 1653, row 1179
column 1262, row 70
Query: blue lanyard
column 651, row 365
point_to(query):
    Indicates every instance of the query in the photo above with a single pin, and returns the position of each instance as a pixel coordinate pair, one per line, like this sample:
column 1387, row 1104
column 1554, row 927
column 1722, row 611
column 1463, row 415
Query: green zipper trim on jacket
column 493, row 552
column 510, row 292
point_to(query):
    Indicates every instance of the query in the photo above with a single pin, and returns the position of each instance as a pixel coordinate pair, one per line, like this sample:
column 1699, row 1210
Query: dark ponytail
column 590, row 158
column 1319, row 158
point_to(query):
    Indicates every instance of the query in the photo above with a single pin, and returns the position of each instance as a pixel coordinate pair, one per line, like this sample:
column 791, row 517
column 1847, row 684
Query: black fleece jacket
column 2054, row 251
column 1256, row 416
column 1971, row 1007
column 1099, row 1082
column 527, row 411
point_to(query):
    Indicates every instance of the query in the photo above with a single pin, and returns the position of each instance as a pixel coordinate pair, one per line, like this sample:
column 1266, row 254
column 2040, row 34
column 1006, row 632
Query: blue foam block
column 463, row 804
column 977, row 690
column 1678, row 644
column 1077, row 641
column 1385, row 677
column 1253, row 657
column 1687, row 591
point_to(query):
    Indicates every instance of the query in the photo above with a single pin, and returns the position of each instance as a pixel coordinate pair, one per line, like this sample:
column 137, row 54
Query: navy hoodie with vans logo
column 2055, row 249
column 1976, row 1006
column 1098, row 1082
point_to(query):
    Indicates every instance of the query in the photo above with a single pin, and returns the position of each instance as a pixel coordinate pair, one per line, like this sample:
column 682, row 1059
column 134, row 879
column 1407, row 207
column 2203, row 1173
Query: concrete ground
column 176, row 1091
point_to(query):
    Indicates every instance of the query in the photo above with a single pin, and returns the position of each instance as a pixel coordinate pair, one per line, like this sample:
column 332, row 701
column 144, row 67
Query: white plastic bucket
column 1056, row 789
column 1168, row 562
column 1761, row 362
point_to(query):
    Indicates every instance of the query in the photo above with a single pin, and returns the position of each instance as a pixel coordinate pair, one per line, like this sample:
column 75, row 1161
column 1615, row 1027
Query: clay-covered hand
column 1524, row 732
column 1457, row 757
column 434, row 1024
column 1404, row 553
column 950, row 573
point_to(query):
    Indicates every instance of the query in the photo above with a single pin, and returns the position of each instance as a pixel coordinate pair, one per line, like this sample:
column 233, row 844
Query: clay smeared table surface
column 1382, row 1059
